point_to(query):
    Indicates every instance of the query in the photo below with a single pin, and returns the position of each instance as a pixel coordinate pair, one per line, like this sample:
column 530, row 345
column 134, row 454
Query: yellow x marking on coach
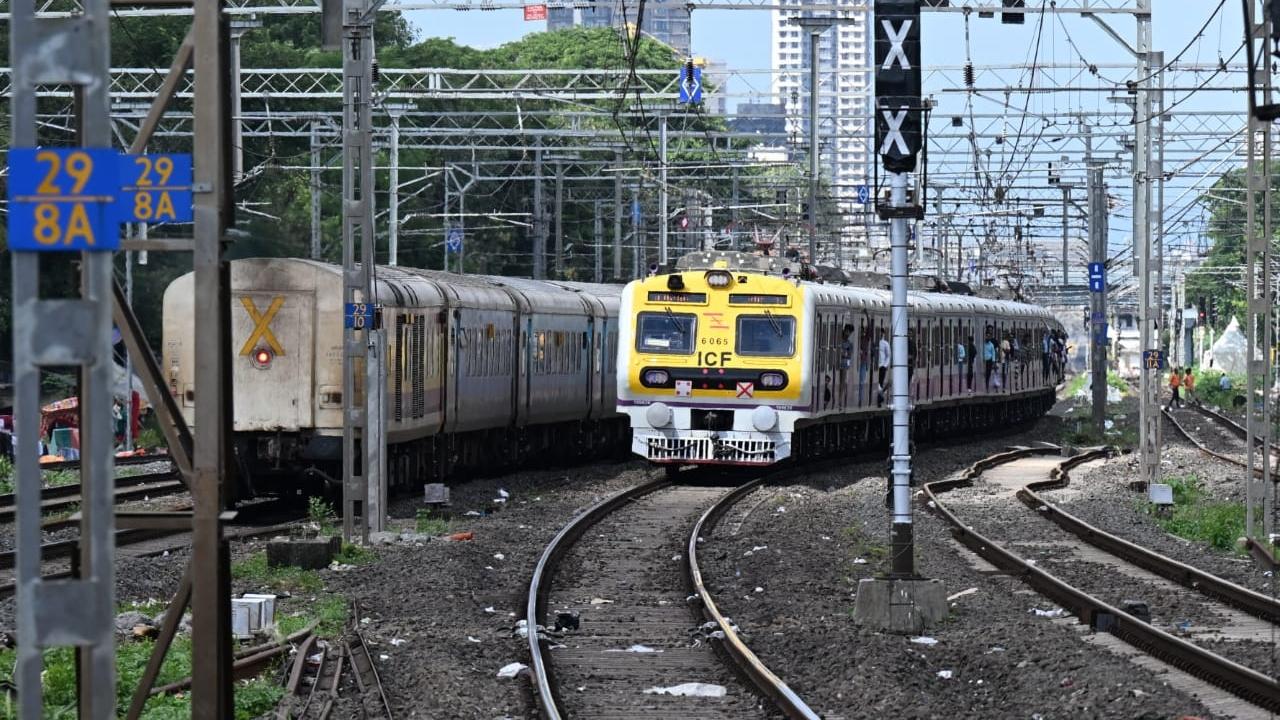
column 262, row 325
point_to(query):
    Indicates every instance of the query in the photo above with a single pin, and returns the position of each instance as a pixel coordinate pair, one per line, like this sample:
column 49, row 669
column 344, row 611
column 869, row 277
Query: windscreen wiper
column 671, row 318
column 773, row 323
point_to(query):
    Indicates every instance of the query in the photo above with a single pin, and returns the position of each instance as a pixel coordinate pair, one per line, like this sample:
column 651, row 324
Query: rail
column 1233, row 677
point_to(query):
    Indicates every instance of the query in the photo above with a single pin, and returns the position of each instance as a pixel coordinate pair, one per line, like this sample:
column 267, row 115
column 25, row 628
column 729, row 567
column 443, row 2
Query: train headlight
column 658, row 415
column 262, row 358
column 719, row 279
column 772, row 380
column 655, row 378
column 764, row 418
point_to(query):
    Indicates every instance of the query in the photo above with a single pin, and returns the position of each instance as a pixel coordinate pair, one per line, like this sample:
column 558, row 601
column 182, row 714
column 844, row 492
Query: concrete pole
column 598, row 269
column 462, row 224
column 617, row 218
column 815, row 36
column 447, row 225
column 1157, row 172
column 901, row 539
column 128, row 360
column 393, row 193
column 315, row 191
column 637, row 238
column 237, row 131
column 1066, row 198
column 559, row 259
column 539, row 219
column 663, row 221
column 1150, row 377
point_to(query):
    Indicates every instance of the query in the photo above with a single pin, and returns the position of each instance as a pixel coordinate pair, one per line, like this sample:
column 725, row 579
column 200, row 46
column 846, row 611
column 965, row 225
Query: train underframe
column 836, row 435
column 310, row 464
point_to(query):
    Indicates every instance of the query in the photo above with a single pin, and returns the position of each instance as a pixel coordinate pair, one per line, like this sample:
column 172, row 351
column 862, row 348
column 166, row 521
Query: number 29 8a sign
column 62, row 199
column 74, row 199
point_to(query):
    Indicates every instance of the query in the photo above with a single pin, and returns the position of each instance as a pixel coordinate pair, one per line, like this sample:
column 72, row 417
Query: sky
column 1204, row 31
column 740, row 38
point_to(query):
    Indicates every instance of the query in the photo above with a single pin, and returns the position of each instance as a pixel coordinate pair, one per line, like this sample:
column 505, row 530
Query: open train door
column 272, row 346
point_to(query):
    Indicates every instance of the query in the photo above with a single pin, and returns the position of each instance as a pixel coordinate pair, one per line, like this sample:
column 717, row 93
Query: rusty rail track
column 744, row 661
column 1227, row 424
column 65, row 497
column 365, row 674
column 1241, row 681
column 1241, row 598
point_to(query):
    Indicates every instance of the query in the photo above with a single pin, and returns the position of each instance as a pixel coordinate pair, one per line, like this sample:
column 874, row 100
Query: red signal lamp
column 262, row 357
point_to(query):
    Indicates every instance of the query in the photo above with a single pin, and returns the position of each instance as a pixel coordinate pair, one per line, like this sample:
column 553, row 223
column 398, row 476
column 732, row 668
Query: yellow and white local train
column 732, row 359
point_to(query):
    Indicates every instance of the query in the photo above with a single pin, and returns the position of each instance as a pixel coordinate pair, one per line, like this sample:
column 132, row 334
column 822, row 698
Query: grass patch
column 253, row 697
column 425, row 524
column 59, row 478
column 6, row 475
column 330, row 611
column 255, row 571
column 1197, row 517
column 354, row 555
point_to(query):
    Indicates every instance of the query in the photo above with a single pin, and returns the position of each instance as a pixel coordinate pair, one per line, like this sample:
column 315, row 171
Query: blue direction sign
column 690, row 84
column 155, row 188
column 453, row 240
column 1153, row 359
column 1097, row 277
column 358, row 315
column 636, row 214
column 61, row 199
column 864, row 194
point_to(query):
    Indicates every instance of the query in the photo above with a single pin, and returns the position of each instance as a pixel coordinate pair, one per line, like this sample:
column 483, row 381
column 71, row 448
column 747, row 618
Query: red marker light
column 262, row 358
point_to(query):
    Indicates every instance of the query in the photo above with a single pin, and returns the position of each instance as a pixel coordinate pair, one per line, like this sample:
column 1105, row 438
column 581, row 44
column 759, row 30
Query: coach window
column 768, row 334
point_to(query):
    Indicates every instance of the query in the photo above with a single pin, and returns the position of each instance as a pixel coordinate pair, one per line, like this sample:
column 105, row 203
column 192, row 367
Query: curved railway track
column 1016, row 470
column 1220, row 437
column 614, row 575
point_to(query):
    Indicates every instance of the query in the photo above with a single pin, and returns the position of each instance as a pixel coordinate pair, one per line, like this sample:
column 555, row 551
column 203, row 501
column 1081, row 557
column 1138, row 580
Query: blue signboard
column 864, row 194
column 1153, row 359
column 690, row 87
column 636, row 215
column 1097, row 317
column 453, row 240
column 1097, row 277
column 155, row 188
column 1099, row 333
column 61, row 199
column 358, row 315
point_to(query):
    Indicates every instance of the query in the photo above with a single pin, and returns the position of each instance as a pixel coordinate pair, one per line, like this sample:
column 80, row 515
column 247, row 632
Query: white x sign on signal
column 896, row 39
column 893, row 136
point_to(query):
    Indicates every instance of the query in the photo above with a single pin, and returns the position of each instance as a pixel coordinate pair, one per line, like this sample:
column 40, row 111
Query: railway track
column 622, row 578
column 1216, row 435
column 1078, row 568
column 129, row 544
column 61, row 498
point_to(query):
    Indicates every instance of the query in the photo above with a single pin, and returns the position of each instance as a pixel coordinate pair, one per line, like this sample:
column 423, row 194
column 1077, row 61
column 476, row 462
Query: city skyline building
column 844, row 84
column 670, row 25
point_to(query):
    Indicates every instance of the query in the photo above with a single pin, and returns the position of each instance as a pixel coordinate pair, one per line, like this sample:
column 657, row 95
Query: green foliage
column 321, row 514
column 1197, row 517
column 1220, row 276
column 256, row 697
column 329, row 610
column 1210, row 394
column 425, row 524
column 354, row 555
column 58, row 478
column 6, row 475
column 253, row 570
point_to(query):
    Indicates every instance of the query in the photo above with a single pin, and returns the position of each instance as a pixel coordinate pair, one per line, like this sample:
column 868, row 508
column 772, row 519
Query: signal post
column 900, row 601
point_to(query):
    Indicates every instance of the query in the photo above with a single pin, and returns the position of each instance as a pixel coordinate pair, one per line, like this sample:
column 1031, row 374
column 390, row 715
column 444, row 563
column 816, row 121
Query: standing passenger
column 989, row 357
column 885, row 360
column 973, row 356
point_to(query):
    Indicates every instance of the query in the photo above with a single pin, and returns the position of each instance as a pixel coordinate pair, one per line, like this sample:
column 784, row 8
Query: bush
column 1196, row 517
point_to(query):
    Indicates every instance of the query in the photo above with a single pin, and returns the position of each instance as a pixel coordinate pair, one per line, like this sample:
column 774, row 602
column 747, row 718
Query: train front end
column 711, row 366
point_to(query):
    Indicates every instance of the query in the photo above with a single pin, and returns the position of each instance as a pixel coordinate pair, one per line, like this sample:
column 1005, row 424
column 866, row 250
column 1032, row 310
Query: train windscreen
column 665, row 332
column 768, row 334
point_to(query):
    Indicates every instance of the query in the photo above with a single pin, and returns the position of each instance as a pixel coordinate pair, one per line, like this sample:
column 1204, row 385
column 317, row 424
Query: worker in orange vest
column 1189, row 386
column 1175, row 381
